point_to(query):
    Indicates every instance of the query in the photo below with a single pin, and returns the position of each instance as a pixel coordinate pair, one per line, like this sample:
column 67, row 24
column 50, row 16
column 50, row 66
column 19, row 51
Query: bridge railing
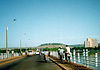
column 86, row 59
column 4, row 55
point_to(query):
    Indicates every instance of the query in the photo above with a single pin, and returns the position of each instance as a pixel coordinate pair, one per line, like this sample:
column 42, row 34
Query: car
column 37, row 52
column 29, row 52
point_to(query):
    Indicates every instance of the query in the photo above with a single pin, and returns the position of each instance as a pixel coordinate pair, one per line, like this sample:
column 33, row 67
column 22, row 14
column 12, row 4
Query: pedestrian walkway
column 69, row 66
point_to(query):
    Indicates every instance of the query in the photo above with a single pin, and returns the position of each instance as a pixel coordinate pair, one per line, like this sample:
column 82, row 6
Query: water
column 89, row 60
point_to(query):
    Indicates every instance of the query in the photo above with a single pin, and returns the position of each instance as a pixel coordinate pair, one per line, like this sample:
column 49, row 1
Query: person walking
column 61, row 51
column 12, row 53
column 67, row 53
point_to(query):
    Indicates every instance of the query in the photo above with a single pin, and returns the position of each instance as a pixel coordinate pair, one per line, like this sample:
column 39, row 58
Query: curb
column 63, row 67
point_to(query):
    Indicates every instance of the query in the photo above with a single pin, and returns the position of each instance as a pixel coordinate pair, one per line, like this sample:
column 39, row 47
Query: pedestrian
column 42, row 55
column 67, row 53
column 12, row 53
column 61, row 51
column 49, row 53
column 46, row 56
column 21, row 53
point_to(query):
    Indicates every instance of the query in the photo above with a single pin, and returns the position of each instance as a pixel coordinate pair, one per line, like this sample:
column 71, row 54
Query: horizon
column 43, row 43
column 48, row 21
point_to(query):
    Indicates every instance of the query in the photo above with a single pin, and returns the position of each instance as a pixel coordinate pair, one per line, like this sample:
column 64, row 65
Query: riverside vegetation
column 77, row 48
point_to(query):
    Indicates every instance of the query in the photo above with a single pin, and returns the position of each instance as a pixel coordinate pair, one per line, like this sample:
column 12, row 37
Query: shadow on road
column 41, row 61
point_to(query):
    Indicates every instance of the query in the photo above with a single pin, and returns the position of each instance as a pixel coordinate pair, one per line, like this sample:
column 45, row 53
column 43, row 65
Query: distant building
column 91, row 43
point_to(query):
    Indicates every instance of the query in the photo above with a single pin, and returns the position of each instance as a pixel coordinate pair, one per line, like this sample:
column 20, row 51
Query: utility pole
column 20, row 45
column 6, row 41
column 7, row 38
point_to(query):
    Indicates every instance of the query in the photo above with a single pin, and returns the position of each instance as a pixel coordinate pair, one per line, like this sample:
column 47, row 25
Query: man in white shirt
column 67, row 53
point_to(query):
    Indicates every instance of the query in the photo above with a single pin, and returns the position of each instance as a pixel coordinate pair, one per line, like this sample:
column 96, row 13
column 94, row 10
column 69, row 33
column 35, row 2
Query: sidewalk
column 69, row 66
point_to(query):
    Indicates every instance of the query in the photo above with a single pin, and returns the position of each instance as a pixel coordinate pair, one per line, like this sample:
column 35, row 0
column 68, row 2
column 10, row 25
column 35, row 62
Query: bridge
column 36, row 62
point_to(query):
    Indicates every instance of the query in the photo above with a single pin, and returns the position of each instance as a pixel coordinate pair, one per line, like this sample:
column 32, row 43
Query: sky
column 48, row 21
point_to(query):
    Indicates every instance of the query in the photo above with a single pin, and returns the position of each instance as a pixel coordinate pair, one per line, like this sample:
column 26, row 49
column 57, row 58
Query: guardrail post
column 2, row 55
column 84, row 61
column 78, row 57
column 96, row 59
column 87, row 60
column 70, row 56
column 74, row 56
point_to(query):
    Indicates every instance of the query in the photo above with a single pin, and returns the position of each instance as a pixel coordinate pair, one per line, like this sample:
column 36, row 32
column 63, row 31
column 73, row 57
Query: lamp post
column 20, row 46
column 7, row 38
column 6, row 41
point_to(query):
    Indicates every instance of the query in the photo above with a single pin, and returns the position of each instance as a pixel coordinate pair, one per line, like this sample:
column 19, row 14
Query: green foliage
column 23, row 50
column 16, row 50
column 92, row 50
column 81, row 48
column 2, row 51
column 51, row 44
column 99, row 47
column 79, row 45
column 50, row 49
column 46, row 49
column 77, row 48
column 31, row 49
column 54, row 49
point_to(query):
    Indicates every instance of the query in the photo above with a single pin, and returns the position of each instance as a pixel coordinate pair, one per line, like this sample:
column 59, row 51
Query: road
column 34, row 62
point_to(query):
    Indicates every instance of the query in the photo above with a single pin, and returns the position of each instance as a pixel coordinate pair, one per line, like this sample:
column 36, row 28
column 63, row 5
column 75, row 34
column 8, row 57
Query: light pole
column 1, row 28
column 7, row 38
column 6, row 41
column 20, row 46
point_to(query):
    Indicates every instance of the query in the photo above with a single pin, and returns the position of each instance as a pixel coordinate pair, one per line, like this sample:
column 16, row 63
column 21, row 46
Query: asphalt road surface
column 34, row 62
